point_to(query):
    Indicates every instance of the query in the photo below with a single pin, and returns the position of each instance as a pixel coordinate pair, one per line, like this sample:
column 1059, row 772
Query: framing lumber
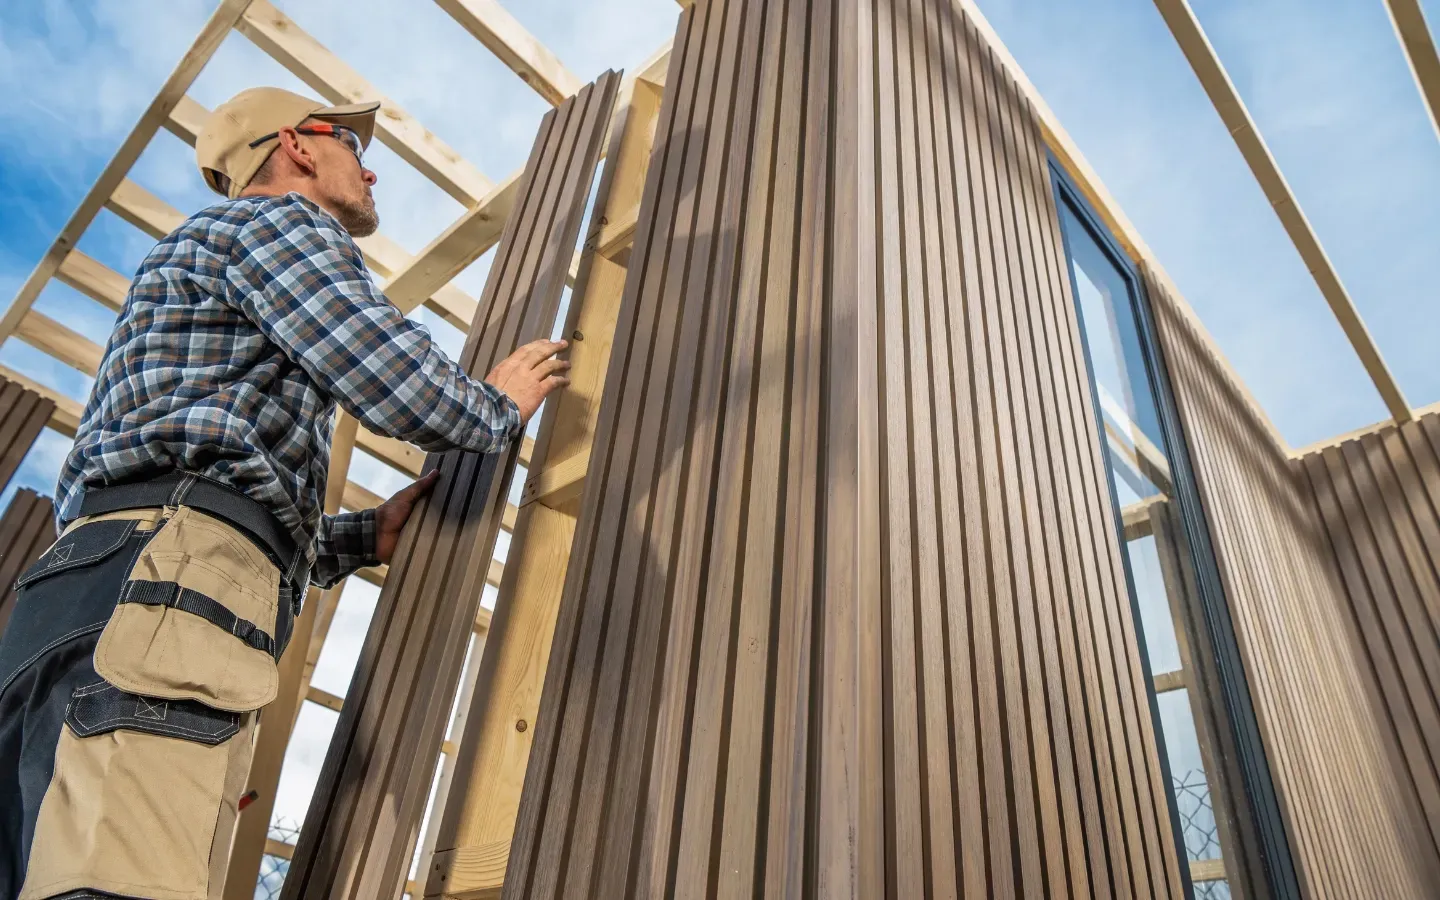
column 94, row 279
column 278, row 723
column 1419, row 45
column 1207, row 66
column 473, row 837
column 195, row 58
column 365, row 812
column 60, row 341
column 143, row 209
column 325, row 73
column 494, row 27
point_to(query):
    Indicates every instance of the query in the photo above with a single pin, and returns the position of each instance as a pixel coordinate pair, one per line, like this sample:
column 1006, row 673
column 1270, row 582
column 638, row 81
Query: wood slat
column 27, row 528
column 365, row 813
column 845, row 614
column 94, row 279
column 491, row 769
column 65, row 413
column 1359, row 816
column 24, row 413
column 60, row 341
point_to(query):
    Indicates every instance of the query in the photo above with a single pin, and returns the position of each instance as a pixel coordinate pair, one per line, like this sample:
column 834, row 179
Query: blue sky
column 1325, row 79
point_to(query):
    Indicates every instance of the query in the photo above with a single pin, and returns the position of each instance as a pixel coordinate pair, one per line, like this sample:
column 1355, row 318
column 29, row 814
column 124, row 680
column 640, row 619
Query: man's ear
column 299, row 154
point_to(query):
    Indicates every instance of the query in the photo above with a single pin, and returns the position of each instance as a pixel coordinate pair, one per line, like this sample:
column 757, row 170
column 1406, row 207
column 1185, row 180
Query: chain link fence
column 273, row 868
column 1198, row 828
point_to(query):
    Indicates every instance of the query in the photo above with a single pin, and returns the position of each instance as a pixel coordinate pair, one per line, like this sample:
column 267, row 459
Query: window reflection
column 1153, row 538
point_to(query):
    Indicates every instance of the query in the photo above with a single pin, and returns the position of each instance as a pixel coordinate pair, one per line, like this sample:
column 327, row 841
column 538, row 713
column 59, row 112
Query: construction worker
column 144, row 643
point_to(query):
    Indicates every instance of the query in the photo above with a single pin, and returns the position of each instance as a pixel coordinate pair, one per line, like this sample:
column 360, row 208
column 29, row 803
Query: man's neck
column 281, row 188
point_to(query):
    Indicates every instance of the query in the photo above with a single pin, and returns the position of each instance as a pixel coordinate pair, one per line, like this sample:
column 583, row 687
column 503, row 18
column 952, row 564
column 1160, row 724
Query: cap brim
column 359, row 117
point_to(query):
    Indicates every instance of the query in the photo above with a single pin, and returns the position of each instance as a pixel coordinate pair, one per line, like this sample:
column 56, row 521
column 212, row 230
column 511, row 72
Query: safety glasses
column 347, row 136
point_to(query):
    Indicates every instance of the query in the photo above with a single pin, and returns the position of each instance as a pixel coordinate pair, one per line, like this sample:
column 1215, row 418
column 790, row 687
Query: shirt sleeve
column 296, row 273
column 343, row 544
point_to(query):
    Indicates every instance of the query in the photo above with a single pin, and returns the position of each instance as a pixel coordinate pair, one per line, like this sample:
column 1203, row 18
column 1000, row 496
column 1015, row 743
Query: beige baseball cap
column 224, row 145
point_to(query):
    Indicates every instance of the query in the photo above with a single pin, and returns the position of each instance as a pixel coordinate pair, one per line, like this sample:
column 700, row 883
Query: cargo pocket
column 197, row 618
column 143, row 798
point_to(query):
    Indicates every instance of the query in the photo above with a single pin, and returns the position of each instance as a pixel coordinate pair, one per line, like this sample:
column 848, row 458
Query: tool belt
column 178, row 488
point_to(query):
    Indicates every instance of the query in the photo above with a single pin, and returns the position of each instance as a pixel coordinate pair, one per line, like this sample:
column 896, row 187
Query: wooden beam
column 1410, row 27
column 329, row 76
column 1207, row 869
column 65, row 344
column 279, row 848
column 199, row 53
column 1165, row 682
column 94, row 279
column 187, row 119
column 474, row 837
column 324, row 698
column 455, row 248
column 494, row 27
column 406, row 457
column 66, row 416
column 144, row 210
column 1213, row 77
column 296, row 666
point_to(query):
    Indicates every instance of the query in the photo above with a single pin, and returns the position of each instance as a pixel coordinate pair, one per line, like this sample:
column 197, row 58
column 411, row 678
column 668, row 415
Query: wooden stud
column 65, row 344
column 94, row 279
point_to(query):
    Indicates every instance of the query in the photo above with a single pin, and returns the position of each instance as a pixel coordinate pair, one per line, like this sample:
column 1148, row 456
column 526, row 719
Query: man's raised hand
column 530, row 374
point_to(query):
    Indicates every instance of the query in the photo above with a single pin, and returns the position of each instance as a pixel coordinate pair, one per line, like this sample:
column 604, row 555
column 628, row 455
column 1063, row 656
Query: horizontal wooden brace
column 94, row 279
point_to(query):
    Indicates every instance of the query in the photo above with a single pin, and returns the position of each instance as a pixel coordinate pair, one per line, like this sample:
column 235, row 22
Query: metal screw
column 578, row 335
column 520, row 725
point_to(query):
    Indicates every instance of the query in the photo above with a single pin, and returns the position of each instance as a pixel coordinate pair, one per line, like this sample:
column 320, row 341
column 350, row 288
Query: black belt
column 178, row 488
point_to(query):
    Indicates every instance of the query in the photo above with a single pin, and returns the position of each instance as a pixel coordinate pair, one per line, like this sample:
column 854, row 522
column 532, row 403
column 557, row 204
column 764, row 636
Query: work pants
column 132, row 672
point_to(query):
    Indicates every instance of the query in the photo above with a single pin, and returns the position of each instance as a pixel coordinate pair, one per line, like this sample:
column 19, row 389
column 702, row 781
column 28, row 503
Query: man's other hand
column 391, row 516
column 529, row 374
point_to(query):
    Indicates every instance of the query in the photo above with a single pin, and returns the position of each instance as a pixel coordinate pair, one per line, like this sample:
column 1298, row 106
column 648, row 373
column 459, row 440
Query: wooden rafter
column 199, row 53
column 1216, row 81
column 329, row 76
column 494, row 27
column 1410, row 27
column 94, row 279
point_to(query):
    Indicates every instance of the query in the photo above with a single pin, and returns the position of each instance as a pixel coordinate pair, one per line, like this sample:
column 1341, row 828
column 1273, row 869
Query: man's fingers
column 550, row 367
column 535, row 351
column 421, row 486
column 553, row 383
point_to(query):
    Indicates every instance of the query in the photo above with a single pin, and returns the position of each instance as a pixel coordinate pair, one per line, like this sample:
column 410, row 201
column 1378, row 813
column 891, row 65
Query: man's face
column 345, row 184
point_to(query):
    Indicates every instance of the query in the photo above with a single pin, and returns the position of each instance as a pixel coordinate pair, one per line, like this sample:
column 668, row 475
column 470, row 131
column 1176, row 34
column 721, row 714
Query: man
column 144, row 643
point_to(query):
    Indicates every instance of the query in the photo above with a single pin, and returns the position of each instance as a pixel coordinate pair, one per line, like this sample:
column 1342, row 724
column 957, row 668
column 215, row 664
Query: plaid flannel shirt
column 240, row 332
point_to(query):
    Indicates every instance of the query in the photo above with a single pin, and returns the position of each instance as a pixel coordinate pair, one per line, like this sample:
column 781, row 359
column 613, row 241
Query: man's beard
column 360, row 219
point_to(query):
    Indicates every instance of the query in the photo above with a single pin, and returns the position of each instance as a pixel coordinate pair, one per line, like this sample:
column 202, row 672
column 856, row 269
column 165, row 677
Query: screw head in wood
column 577, row 335
column 520, row 725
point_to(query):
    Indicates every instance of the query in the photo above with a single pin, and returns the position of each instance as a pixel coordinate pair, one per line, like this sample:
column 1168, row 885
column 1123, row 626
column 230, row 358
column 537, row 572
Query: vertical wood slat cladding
column 362, row 822
column 1379, row 498
column 1349, row 809
column 846, row 610
column 26, row 530
column 23, row 415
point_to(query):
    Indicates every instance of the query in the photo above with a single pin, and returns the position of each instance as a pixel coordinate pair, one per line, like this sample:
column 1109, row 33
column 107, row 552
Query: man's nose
column 368, row 176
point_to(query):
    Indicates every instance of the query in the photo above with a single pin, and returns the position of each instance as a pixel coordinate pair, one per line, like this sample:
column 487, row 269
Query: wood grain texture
column 23, row 415
column 1379, row 498
column 846, row 611
column 1353, row 815
column 26, row 529
column 365, row 814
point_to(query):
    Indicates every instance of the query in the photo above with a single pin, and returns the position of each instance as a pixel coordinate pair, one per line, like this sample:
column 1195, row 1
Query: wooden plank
column 143, row 209
column 1408, row 17
column 329, row 76
column 187, row 119
column 66, row 413
column 1216, row 81
column 324, row 698
column 196, row 56
column 366, row 809
column 60, row 341
column 24, row 413
column 94, row 279
column 494, row 27
column 491, row 770
column 27, row 529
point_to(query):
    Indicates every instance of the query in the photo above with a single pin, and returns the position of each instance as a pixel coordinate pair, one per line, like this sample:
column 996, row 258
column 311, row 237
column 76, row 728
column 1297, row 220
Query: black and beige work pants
column 131, row 675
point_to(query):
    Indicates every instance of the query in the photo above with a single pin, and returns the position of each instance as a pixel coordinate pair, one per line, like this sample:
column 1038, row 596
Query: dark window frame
column 1238, row 713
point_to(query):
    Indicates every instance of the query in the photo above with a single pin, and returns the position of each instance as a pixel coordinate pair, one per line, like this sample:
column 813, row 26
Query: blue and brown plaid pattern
column 240, row 333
